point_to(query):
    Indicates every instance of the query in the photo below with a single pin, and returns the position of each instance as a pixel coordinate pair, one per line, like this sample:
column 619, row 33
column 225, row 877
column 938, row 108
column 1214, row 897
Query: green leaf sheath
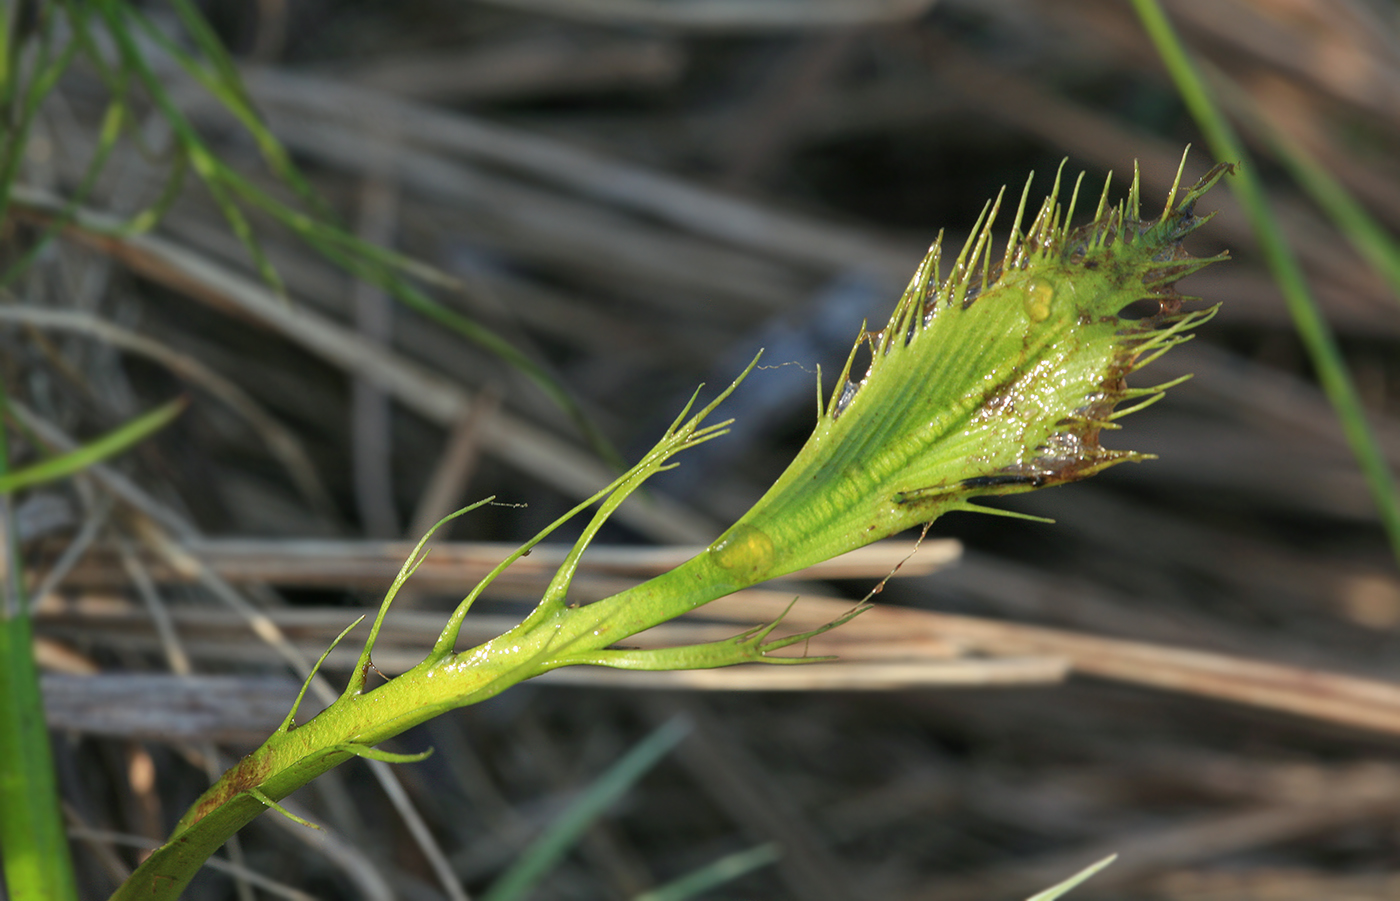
column 109, row 445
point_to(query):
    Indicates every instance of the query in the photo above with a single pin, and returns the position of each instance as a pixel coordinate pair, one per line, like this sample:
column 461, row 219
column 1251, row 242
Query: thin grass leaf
column 564, row 832
column 1372, row 241
column 154, row 212
column 366, row 261
column 204, row 161
column 112, row 126
column 226, row 86
column 109, row 445
column 484, row 338
column 80, row 21
column 1307, row 318
column 36, row 860
column 8, row 61
column 20, row 111
column 713, row 875
column 1079, row 878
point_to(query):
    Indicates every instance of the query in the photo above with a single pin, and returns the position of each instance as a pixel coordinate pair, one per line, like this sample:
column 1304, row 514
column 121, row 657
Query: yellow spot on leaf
column 744, row 551
column 1038, row 297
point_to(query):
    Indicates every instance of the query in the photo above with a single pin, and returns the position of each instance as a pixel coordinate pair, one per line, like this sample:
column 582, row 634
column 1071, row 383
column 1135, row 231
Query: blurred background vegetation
column 590, row 207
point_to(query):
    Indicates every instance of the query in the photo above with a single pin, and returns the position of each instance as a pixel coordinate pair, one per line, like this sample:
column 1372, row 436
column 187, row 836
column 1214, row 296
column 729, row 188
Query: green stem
column 1312, row 328
column 33, row 844
column 294, row 756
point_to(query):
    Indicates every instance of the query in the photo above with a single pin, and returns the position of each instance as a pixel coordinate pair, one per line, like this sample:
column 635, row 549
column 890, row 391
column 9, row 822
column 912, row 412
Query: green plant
column 995, row 379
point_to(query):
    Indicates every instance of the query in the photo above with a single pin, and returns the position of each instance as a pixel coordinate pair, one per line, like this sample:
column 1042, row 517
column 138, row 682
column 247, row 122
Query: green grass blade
column 225, row 85
column 381, row 268
column 373, row 264
column 22, row 103
column 1307, row 318
column 33, row 846
column 713, row 875
column 202, row 160
column 112, row 123
column 154, row 212
column 32, row 840
column 1054, row 892
column 565, row 831
column 8, row 57
column 110, row 444
column 1371, row 240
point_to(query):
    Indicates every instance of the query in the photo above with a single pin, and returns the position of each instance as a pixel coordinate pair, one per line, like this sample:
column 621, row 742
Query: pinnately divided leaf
column 994, row 379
